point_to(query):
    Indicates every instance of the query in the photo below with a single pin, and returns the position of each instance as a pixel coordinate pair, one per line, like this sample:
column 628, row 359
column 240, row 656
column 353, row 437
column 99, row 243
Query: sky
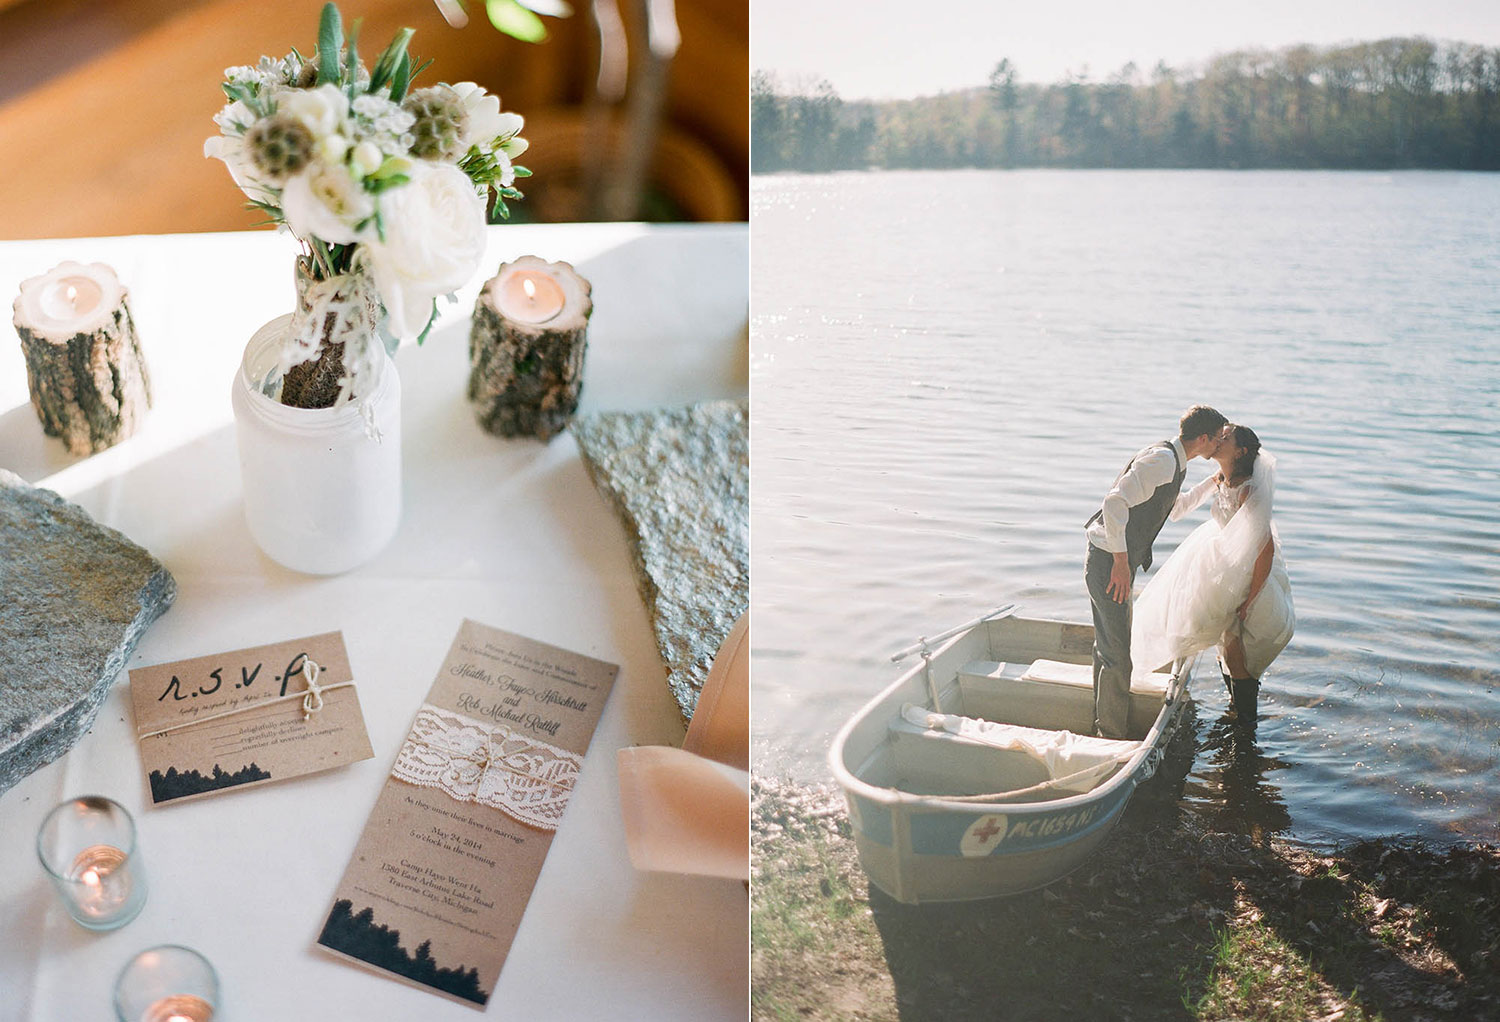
column 896, row 49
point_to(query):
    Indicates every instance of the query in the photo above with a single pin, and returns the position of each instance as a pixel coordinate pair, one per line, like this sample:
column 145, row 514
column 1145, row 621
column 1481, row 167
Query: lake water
column 948, row 368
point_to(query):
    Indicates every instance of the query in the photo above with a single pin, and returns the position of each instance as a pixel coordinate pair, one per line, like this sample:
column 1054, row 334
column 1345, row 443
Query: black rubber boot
column 1244, row 695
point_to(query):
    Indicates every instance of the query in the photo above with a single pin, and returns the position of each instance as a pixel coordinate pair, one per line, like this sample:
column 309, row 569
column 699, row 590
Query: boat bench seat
column 1052, row 694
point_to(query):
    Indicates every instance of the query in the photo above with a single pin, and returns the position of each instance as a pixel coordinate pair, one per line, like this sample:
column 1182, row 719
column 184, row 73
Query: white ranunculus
column 322, row 109
column 324, row 202
column 486, row 122
column 366, row 158
column 434, row 241
column 333, row 148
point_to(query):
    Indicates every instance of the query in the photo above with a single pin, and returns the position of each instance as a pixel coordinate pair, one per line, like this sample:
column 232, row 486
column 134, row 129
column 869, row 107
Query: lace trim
column 490, row 764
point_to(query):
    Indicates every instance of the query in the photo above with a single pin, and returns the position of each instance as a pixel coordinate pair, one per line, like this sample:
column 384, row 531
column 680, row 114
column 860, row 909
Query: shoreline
column 1175, row 917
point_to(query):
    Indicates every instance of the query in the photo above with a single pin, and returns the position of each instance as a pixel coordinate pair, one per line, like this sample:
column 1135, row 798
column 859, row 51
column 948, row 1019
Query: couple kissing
column 1226, row 585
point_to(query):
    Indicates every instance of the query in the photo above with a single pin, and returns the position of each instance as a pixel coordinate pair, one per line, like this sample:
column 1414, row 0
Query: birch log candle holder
column 526, row 348
column 83, row 361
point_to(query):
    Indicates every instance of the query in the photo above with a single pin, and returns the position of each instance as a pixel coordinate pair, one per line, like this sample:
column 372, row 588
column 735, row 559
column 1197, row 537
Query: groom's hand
column 1119, row 579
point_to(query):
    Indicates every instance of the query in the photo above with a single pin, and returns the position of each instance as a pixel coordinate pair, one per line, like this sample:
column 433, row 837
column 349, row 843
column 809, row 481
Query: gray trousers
column 1111, row 647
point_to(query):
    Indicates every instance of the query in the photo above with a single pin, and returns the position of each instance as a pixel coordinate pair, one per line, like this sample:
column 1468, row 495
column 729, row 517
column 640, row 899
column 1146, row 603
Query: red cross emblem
column 987, row 830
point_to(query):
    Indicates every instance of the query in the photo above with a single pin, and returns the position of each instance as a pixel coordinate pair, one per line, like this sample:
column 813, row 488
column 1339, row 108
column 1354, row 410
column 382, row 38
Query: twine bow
column 312, row 699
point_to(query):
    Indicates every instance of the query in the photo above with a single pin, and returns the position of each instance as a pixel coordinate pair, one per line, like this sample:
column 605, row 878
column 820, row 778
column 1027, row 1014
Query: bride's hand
column 1243, row 608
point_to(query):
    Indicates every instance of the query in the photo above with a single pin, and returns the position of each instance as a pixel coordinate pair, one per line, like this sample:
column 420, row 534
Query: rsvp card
column 249, row 717
column 442, row 873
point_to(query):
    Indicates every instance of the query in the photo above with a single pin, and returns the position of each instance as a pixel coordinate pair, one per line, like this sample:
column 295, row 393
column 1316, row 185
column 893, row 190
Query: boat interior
column 1014, row 718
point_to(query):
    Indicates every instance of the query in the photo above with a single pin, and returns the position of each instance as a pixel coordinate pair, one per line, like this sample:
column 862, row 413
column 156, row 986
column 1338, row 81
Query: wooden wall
column 105, row 104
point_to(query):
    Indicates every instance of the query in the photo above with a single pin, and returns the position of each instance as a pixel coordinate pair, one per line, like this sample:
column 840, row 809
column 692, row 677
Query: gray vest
column 1147, row 517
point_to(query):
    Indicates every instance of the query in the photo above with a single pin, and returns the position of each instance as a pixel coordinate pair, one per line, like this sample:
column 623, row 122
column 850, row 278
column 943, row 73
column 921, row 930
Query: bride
column 1226, row 585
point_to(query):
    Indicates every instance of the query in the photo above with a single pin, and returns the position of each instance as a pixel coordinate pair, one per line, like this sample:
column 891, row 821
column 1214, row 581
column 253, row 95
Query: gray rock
column 680, row 482
column 75, row 598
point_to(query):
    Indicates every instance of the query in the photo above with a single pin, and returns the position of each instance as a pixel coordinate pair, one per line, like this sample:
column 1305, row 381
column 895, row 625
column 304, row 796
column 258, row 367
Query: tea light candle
column 526, row 347
column 83, row 361
column 529, row 296
column 87, row 846
column 104, row 881
column 68, row 299
column 170, row 983
column 179, row 1008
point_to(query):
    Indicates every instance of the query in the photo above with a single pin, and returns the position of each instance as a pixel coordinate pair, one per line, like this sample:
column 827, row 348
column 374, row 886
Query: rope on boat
column 931, row 686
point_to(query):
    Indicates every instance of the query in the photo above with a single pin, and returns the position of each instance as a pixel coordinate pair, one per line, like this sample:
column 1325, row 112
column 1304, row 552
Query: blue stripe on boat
column 940, row 833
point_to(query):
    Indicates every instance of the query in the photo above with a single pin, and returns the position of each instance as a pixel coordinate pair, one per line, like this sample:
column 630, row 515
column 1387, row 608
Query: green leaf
column 420, row 68
column 402, row 79
column 521, row 171
column 386, row 66
column 351, row 58
column 247, row 95
column 376, row 185
column 330, row 37
column 515, row 20
column 430, row 321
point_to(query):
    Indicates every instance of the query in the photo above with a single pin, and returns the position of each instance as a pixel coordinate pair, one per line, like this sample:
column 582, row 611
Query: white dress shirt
column 1152, row 467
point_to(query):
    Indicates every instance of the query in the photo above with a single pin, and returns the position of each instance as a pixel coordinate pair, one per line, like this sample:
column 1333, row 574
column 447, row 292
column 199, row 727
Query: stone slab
column 679, row 480
column 75, row 598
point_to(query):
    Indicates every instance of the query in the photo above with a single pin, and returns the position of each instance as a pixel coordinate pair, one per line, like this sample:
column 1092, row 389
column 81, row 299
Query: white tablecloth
column 510, row 533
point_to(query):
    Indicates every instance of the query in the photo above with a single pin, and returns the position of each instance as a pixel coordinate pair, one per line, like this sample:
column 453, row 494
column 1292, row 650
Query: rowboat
column 976, row 773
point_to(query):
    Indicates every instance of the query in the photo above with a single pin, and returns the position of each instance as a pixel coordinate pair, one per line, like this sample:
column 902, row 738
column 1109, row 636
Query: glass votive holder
column 87, row 847
column 170, row 983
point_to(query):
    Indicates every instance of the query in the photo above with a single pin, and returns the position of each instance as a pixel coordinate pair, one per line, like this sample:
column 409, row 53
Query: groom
column 1120, row 536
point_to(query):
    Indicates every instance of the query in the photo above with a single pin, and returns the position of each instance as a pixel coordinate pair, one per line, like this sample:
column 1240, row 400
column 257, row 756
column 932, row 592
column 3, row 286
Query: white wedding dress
column 1191, row 602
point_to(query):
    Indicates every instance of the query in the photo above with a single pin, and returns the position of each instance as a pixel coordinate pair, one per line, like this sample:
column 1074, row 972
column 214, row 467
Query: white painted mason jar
column 322, row 496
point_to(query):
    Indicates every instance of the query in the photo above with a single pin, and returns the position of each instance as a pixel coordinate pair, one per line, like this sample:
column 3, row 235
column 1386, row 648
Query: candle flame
column 90, row 877
column 530, row 289
column 72, row 295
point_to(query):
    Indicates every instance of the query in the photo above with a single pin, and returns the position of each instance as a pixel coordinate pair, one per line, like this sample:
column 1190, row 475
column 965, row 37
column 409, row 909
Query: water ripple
column 949, row 368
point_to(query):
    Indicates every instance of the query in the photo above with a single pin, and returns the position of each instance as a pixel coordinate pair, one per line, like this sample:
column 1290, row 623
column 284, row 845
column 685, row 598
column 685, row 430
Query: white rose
column 324, row 202
column 434, row 241
column 486, row 122
column 322, row 109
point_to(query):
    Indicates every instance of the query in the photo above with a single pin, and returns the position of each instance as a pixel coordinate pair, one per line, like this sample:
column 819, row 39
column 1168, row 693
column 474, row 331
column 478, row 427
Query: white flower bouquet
column 386, row 187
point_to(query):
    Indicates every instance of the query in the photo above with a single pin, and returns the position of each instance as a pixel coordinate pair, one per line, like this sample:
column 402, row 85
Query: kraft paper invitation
column 440, row 879
column 233, row 720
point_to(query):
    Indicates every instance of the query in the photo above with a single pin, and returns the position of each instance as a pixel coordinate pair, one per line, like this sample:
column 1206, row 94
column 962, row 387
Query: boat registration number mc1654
column 990, row 831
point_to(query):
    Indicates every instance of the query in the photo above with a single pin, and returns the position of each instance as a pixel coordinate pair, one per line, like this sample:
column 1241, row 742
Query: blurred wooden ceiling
column 105, row 105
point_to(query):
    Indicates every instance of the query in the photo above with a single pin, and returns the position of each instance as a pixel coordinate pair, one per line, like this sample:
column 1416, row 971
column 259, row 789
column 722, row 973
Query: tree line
column 1395, row 103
